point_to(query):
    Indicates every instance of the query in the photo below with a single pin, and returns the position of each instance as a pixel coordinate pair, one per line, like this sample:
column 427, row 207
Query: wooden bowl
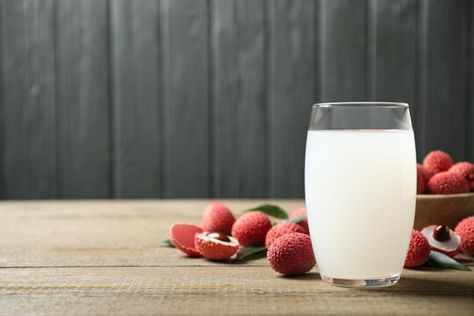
column 443, row 209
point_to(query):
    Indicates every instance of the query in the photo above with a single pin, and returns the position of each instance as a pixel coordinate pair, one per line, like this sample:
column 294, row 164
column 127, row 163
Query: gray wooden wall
column 211, row 98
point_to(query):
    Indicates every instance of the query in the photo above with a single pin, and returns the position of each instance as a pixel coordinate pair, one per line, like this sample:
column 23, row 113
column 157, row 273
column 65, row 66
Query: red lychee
column 216, row 245
column 251, row 228
column 182, row 237
column 437, row 161
column 420, row 179
column 217, row 217
column 300, row 211
column 442, row 239
column 281, row 229
column 465, row 230
column 464, row 169
column 418, row 251
column 447, row 183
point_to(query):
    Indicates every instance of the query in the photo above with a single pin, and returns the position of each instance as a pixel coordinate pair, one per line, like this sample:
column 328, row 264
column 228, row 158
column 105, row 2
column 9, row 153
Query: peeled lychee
column 447, row 183
column 217, row 217
column 291, row 254
column 442, row 239
column 216, row 245
column 465, row 230
column 420, row 179
column 437, row 161
column 464, row 169
column 418, row 251
column 251, row 228
column 182, row 237
column 281, row 229
column 300, row 211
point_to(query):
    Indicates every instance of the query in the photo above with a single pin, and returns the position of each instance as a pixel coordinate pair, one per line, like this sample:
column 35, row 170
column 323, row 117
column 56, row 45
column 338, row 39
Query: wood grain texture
column 136, row 98
column 185, row 78
column 470, row 104
column 343, row 58
column 82, row 99
column 28, row 97
column 239, row 128
column 291, row 90
column 441, row 108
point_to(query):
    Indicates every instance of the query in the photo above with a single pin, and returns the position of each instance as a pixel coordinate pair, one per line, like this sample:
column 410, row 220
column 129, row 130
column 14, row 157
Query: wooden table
column 105, row 257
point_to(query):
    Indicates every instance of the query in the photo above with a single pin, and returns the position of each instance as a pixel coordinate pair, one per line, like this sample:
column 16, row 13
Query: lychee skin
column 251, row 229
column 300, row 211
column 182, row 237
column 465, row 230
column 281, row 229
column 418, row 251
column 437, row 161
column 464, row 169
column 213, row 249
column 447, row 183
column 291, row 254
column 420, row 179
column 217, row 217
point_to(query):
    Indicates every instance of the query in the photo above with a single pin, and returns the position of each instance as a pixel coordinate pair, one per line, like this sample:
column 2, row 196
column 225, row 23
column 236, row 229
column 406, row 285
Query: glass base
column 363, row 283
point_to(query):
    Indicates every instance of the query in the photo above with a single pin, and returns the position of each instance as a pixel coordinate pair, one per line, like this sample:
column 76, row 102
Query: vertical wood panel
column 343, row 50
column 291, row 92
column 82, row 98
column 238, row 98
column 136, row 98
column 441, row 112
column 186, row 98
column 470, row 103
column 28, row 97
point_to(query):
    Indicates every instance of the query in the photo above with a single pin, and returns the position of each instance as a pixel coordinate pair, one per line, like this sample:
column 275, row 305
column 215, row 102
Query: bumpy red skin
column 420, row 179
column 300, row 211
column 217, row 217
column 214, row 250
column 465, row 230
column 291, row 254
column 447, row 183
column 281, row 229
column 437, row 161
column 466, row 170
column 418, row 251
column 182, row 237
column 251, row 229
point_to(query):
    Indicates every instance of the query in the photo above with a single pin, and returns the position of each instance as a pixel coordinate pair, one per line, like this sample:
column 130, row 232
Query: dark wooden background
column 202, row 98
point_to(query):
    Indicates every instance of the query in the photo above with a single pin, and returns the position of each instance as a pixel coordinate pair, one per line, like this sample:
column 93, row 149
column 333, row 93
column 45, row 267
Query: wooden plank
column 82, row 98
column 441, row 109
column 238, row 290
column 136, row 98
column 343, row 59
column 238, row 99
column 291, row 91
column 28, row 97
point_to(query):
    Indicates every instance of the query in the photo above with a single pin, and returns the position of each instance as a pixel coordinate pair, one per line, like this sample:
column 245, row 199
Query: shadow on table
column 311, row 276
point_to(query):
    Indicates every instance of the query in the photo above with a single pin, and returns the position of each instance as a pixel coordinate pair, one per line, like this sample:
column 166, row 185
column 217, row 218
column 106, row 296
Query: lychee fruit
column 437, row 161
column 182, row 237
column 418, row 251
column 447, row 183
column 420, row 179
column 465, row 230
column 216, row 245
column 251, row 228
column 217, row 217
column 281, row 229
column 291, row 254
column 300, row 211
column 464, row 169
column 442, row 239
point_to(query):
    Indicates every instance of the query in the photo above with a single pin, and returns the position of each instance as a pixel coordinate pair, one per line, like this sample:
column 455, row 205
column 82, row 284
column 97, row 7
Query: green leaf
column 167, row 243
column 271, row 210
column 251, row 253
column 297, row 219
column 442, row 261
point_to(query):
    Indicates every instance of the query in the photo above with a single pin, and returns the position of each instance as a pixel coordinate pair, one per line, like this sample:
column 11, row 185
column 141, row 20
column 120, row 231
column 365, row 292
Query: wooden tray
column 446, row 209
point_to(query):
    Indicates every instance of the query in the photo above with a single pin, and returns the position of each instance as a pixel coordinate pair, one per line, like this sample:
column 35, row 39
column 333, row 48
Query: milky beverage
column 360, row 193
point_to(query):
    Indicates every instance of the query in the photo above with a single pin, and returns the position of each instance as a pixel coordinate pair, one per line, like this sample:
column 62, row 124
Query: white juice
column 360, row 193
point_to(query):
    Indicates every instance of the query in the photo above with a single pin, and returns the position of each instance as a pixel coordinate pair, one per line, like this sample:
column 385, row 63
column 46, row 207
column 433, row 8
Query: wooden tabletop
column 105, row 257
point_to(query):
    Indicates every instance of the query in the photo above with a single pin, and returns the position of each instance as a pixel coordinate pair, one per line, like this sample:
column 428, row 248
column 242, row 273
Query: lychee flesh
column 251, row 228
column 447, row 183
column 281, row 229
column 291, row 254
column 300, row 211
column 448, row 243
column 437, row 161
column 420, row 179
column 215, row 249
column 418, row 251
column 182, row 237
column 465, row 230
column 464, row 169
column 217, row 217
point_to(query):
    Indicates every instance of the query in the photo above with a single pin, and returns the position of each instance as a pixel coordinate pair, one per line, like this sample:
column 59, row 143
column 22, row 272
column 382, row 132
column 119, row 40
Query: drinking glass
column 360, row 187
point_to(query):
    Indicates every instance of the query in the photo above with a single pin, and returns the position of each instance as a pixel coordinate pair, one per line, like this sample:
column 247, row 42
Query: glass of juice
column 360, row 188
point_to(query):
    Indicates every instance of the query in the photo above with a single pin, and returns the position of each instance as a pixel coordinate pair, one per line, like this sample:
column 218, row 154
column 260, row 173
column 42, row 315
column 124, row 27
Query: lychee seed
column 441, row 233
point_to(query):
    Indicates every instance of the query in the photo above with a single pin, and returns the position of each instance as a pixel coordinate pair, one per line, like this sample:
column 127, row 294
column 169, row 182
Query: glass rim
column 361, row 104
